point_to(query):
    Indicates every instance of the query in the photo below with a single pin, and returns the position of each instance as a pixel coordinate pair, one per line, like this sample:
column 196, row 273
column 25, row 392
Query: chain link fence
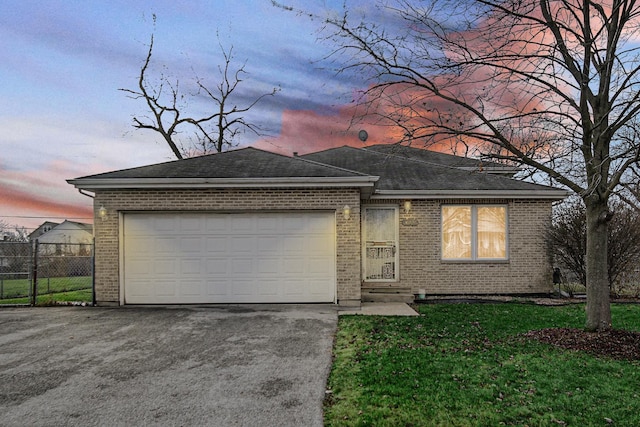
column 16, row 259
column 36, row 272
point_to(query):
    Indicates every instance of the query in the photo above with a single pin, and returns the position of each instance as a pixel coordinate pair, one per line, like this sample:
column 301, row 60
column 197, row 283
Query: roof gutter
column 366, row 183
column 550, row 194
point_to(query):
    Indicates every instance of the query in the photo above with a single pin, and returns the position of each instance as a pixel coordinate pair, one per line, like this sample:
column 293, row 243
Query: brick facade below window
column 527, row 270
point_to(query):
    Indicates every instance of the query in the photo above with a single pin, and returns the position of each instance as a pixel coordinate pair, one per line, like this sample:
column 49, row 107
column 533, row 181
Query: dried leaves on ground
column 616, row 344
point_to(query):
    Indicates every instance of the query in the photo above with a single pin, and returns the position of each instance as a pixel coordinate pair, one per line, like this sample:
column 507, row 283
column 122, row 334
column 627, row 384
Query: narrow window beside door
column 380, row 244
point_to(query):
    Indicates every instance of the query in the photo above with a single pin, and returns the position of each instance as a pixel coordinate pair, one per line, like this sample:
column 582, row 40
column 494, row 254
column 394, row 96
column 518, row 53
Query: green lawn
column 468, row 365
column 16, row 291
column 83, row 295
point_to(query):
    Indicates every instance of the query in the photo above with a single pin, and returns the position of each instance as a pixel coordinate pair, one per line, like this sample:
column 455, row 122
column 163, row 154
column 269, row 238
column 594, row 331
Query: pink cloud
column 305, row 131
column 27, row 204
column 29, row 197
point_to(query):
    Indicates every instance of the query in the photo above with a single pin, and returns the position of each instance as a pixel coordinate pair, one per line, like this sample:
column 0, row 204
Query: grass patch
column 49, row 291
column 18, row 288
column 83, row 295
column 468, row 365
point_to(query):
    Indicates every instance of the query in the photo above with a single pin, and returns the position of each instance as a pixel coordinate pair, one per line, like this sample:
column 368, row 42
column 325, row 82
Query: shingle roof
column 438, row 158
column 371, row 170
column 402, row 173
column 242, row 163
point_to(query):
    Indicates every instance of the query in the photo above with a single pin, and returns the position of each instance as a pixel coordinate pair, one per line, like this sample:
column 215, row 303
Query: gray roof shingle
column 377, row 170
column 242, row 163
column 402, row 173
column 442, row 159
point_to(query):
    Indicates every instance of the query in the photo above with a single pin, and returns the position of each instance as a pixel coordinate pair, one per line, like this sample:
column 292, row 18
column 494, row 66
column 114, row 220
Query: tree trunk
column 598, row 300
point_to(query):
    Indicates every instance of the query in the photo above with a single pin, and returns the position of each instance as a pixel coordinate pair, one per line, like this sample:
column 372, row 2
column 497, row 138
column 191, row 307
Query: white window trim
column 397, row 246
column 474, row 233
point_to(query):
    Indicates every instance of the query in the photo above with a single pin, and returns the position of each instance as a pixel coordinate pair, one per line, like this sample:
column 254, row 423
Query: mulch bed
column 616, row 344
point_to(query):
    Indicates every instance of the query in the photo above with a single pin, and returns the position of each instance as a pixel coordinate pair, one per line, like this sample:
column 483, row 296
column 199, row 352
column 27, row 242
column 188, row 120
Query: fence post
column 35, row 273
column 30, row 270
column 93, row 272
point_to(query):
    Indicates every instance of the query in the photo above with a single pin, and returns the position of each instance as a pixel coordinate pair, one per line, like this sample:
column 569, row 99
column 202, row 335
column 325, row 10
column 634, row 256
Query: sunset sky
column 62, row 115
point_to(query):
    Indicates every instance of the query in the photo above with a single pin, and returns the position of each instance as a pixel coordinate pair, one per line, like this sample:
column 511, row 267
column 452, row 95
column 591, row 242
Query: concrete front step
column 381, row 309
column 387, row 295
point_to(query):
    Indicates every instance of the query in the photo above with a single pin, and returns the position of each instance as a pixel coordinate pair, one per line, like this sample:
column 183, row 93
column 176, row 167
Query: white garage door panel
column 229, row 258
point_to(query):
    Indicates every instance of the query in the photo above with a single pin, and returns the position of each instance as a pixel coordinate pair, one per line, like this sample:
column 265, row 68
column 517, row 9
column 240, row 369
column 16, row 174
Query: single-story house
column 343, row 225
column 67, row 238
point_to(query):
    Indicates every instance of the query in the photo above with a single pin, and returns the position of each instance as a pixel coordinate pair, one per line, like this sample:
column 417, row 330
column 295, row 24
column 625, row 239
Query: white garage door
column 187, row 258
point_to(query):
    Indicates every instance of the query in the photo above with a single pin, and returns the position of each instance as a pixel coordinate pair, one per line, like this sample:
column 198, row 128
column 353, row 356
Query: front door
column 380, row 244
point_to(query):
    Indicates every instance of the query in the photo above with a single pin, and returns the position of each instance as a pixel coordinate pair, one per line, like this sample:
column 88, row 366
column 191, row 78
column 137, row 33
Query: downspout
column 86, row 194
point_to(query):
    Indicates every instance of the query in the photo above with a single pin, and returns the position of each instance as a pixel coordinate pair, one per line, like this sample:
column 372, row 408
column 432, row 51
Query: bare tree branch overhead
column 553, row 86
column 169, row 115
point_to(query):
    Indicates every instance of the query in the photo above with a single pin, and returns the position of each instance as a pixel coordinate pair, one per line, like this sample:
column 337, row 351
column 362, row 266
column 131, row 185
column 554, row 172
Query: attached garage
column 266, row 257
column 243, row 226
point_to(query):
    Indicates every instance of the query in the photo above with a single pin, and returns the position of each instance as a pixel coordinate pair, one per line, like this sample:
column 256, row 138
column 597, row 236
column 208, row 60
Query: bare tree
column 13, row 233
column 550, row 85
column 167, row 106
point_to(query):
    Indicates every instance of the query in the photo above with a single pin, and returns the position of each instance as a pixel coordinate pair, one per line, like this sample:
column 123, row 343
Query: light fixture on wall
column 102, row 213
column 407, row 206
column 346, row 212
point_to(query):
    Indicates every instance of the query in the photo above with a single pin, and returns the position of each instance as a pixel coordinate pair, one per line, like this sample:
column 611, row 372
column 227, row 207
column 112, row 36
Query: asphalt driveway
column 217, row 365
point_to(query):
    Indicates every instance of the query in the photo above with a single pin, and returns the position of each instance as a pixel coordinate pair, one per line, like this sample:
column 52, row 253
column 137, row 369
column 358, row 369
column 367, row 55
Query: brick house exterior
column 253, row 181
column 528, row 270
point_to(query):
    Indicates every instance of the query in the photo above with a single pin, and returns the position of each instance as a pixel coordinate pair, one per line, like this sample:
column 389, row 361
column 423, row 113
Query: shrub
column 567, row 239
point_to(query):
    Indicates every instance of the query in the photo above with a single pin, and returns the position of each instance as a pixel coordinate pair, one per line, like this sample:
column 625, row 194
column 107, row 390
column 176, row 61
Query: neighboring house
column 67, row 238
column 43, row 228
column 338, row 226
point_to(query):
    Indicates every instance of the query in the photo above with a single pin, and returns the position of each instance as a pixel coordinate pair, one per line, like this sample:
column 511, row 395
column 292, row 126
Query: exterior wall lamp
column 407, row 206
column 102, row 213
column 346, row 212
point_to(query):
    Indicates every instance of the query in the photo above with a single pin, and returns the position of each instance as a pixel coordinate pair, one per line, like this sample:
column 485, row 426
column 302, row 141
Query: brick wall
column 526, row 271
column 116, row 202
